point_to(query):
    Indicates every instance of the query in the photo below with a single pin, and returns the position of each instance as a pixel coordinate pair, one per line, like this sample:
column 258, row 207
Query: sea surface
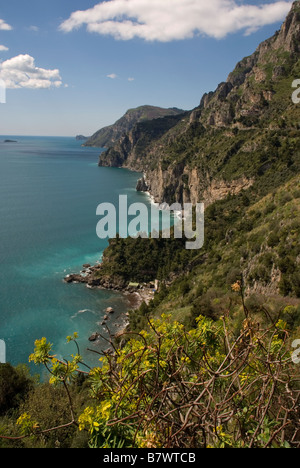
column 49, row 192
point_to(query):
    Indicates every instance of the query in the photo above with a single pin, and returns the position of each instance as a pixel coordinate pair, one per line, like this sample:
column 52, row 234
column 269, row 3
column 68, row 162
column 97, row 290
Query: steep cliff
column 108, row 136
column 238, row 136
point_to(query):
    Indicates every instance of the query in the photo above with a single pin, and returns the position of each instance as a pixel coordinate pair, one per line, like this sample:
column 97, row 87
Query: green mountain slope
column 107, row 136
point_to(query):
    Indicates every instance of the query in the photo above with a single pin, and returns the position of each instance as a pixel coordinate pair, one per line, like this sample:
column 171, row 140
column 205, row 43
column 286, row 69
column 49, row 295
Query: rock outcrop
column 94, row 278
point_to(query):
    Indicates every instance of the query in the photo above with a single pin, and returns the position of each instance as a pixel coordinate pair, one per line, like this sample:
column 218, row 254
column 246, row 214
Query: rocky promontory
column 94, row 277
column 108, row 136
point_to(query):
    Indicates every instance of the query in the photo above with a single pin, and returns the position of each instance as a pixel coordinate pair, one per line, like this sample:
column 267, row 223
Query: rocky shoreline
column 135, row 294
column 91, row 276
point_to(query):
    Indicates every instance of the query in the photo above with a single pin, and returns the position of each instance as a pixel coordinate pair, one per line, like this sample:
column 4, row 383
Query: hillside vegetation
column 239, row 152
column 107, row 136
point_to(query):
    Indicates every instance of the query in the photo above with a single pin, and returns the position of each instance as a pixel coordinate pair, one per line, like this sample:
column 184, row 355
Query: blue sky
column 74, row 66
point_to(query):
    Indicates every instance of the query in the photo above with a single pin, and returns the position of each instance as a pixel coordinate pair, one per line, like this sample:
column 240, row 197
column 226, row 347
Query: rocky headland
column 92, row 277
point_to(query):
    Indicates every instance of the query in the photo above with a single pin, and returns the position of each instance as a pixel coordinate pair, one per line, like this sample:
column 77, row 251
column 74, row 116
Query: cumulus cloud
column 167, row 20
column 3, row 48
column 112, row 76
column 21, row 72
column 4, row 26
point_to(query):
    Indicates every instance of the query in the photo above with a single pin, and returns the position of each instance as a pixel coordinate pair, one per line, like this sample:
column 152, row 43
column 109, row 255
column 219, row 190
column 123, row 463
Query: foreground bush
column 198, row 388
column 170, row 387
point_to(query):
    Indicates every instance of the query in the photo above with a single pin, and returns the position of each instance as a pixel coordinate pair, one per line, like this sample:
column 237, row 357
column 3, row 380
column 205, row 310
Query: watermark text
column 137, row 220
column 296, row 353
column 296, row 93
column 2, row 352
column 2, row 92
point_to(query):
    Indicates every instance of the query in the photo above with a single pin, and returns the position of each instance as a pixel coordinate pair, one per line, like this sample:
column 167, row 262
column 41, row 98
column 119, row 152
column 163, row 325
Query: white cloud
column 21, row 72
column 33, row 28
column 130, row 79
column 4, row 26
column 3, row 48
column 112, row 76
column 167, row 20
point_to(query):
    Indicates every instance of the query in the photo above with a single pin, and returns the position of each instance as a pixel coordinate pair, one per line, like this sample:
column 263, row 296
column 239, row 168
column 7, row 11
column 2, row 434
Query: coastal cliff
column 223, row 146
column 108, row 136
column 239, row 152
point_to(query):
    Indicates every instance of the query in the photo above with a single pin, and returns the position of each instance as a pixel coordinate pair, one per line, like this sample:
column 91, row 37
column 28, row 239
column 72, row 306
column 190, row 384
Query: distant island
column 10, row 141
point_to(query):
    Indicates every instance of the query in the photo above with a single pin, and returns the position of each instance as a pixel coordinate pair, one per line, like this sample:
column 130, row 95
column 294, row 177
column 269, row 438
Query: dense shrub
column 15, row 383
column 172, row 387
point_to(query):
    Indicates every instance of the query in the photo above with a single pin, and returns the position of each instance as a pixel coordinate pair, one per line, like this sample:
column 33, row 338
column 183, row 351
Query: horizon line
column 39, row 136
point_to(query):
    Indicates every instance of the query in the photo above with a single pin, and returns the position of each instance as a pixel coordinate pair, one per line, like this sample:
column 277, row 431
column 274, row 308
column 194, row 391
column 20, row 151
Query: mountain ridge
column 107, row 136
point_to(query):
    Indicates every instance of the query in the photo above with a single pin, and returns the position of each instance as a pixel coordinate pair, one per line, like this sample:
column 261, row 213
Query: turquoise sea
column 49, row 191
